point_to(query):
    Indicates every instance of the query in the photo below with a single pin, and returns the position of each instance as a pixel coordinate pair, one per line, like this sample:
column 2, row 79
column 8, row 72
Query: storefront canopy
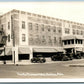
column 23, row 50
column 8, row 51
column 79, row 49
column 72, row 37
column 46, row 50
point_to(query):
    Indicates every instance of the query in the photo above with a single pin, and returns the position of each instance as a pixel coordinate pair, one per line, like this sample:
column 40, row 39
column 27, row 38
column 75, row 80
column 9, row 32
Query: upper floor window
column 42, row 27
column 8, row 25
column 23, row 24
column 48, row 28
column 73, row 31
column 23, row 37
column 36, row 27
column 2, row 27
column 54, row 39
column 77, row 32
column 54, row 30
column 81, row 32
column 30, row 26
column 43, row 39
column 67, row 31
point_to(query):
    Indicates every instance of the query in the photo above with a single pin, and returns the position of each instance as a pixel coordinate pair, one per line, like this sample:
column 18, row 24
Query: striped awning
column 23, row 50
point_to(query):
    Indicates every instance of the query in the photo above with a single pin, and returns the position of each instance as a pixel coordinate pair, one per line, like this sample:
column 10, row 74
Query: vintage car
column 77, row 56
column 38, row 60
column 60, row 57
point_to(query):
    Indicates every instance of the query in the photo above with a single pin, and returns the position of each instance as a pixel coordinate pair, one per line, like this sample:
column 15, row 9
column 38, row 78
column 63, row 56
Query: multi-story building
column 29, row 34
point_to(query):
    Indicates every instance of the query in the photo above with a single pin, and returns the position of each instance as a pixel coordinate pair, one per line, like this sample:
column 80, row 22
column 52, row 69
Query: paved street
column 57, row 69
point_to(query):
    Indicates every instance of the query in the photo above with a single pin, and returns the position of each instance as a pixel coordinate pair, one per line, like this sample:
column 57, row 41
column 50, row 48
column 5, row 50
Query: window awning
column 46, row 50
column 72, row 37
column 8, row 51
column 23, row 50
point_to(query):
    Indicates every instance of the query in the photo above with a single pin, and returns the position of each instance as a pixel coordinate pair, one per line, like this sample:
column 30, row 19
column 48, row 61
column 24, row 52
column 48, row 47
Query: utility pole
column 12, row 34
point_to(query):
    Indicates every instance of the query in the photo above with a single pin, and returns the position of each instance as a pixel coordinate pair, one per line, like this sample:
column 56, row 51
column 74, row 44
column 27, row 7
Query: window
column 67, row 31
column 68, row 41
column 42, row 27
column 23, row 24
column 77, row 32
column 81, row 41
column 49, row 28
column 43, row 39
column 9, row 38
column 30, row 26
column 76, row 41
column 49, row 38
column 23, row 37
column 65, row 42
column 37, row 27
column 54, row 30
column 54, row 39
column 72, row 41
column 81, row 32
column 1, row 27
column 59, row 30
column 8, row 25
column 73, row 31
column 60, row 40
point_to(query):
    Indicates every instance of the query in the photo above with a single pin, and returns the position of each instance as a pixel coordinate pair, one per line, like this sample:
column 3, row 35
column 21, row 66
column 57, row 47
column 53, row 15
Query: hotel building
column 28, row 34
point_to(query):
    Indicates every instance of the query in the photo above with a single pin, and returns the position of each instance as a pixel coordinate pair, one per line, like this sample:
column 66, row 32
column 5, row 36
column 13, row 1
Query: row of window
column 72, row 42
column 23, row 38
column 78, row 32
column 43, row 40
column 43, row 27
column 58, row 23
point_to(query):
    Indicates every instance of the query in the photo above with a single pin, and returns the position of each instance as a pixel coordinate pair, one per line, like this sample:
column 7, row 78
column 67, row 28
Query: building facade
column 28, row 34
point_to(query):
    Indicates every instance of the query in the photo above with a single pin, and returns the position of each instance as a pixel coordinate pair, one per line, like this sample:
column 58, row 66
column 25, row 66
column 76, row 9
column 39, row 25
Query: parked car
column 38, row 60
column 77, row 56
column 60, row 57
column 70, row 55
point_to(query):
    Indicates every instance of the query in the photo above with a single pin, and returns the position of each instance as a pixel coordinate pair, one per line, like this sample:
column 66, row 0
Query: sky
column 72, row 11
